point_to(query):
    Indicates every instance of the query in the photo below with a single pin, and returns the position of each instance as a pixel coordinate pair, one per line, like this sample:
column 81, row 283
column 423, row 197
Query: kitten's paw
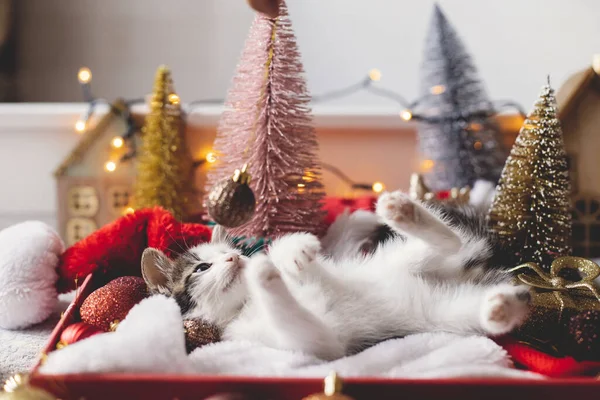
column 397, row 207
column 295, row 253
column 505, row 308
column 262, row 273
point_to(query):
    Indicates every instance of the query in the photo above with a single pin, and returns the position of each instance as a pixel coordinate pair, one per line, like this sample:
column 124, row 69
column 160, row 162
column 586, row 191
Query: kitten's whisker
column 257, row 249
column 187, row 246
column 175, row 241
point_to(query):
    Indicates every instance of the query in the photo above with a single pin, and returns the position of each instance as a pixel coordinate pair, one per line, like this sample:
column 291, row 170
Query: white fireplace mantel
column 25, row 116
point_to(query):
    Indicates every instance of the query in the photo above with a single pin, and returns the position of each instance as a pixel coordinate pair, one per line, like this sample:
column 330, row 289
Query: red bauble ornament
column 113, row 301
column 76, row 332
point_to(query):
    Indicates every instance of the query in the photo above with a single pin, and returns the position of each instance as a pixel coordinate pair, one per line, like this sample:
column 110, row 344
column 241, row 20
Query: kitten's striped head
column 206, row 281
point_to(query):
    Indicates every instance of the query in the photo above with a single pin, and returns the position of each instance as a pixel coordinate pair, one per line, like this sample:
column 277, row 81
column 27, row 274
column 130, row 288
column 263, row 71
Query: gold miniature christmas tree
column 531, row 213
column 165, row 174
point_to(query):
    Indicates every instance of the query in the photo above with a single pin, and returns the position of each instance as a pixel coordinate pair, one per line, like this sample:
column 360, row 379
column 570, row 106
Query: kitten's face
column 207, row 281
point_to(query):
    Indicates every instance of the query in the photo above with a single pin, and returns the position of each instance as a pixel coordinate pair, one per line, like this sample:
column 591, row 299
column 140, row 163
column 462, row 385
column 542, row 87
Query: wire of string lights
column 365, row 84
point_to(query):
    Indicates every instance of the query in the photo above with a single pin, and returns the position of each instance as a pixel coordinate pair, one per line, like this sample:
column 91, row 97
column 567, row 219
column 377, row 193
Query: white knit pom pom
column 29, row 254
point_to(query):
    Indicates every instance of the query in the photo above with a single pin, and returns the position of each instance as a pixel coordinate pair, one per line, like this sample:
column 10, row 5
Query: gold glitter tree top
column 165, row 175
column 531, row 213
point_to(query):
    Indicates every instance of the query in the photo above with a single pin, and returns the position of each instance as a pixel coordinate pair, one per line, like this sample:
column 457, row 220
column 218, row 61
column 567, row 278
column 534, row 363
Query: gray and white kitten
column 422, row 279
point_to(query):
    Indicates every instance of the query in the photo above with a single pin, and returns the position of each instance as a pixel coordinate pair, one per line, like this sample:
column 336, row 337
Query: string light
column 117, row 142
column 211, row 157
column 128, row 210
column 427, row 165
column 378, row 187
column 110, row 166
column 475, row 126
column 80, row 126
column 406, row 115
column 438, row 89
column 84, row 75
column 375, row 75
column 174, row 98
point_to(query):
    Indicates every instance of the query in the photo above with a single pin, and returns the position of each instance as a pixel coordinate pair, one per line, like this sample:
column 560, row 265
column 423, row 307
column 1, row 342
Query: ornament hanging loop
column 241, row 176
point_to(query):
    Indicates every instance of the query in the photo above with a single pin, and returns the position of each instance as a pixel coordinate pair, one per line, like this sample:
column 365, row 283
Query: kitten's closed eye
column 202, row 267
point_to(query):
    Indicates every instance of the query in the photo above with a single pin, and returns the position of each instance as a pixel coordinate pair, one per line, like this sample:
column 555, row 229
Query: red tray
column 147, row 386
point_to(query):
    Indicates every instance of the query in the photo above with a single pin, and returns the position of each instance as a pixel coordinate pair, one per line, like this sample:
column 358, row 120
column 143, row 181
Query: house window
column 79, row 228
column 118, row 199
column 586, row 226
column 82, row 201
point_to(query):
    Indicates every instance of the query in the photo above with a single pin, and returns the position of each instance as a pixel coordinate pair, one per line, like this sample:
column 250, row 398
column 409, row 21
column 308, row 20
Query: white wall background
column 515, row 43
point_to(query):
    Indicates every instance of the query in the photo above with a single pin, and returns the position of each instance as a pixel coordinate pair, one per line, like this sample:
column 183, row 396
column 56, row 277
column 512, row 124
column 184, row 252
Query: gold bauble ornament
column 332, row 389
column 198, row 333
column 18, row 388
column 231, row 202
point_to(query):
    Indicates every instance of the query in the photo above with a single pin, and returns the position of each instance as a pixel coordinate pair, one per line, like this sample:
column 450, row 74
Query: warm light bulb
column 128, row 210
column 427, row 165
column 211, row 157
column 173, row 98
column 406, row 115
column 110, row 166
column 301, row 185
column 378, row 187
column 84, row 75
column 80, row 126
column 375, row 75
column 117, row 142
column 438, row 89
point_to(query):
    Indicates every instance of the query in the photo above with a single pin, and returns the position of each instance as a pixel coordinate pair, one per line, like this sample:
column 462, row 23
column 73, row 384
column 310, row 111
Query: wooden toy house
column 579, row 111
column 89, row 194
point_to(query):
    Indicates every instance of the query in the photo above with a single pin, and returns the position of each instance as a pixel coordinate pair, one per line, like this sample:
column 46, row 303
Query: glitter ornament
column 531, row 212
column 76, row 332
column 199, row 333
column 165, row 172
column 267, row 125
column 113, row 301
column 231, row 202
column 584, row 335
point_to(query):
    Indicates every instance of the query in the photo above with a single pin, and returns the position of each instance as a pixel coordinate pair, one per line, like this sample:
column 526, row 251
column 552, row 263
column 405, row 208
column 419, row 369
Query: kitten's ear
column 155, row 269
column 219, row 235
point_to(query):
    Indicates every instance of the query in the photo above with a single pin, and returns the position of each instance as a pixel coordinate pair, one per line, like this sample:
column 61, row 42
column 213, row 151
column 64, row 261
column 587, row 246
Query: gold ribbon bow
column 553, row 281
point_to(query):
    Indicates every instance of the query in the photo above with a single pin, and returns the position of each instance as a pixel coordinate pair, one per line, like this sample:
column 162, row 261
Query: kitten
column 424, row 279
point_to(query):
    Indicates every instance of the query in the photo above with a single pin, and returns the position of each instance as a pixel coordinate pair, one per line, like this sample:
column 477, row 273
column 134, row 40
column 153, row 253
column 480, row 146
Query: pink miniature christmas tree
column 267, row 124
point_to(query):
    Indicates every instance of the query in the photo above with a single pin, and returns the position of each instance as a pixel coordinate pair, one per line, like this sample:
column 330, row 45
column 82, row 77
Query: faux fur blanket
column 151, row 339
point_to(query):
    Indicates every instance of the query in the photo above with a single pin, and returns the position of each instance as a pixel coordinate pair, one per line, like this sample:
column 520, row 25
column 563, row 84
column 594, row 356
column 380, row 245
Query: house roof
column 572, row 90
column 90, row 137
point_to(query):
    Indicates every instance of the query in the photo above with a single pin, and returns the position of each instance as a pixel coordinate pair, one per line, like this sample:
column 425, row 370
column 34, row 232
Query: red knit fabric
column 334, row 206
column 116, row 249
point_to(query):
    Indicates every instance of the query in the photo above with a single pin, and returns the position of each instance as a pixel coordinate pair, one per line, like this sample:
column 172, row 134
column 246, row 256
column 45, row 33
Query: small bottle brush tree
column 165, row 174
column 458, row 136
column 267, row 124
column 531, row 212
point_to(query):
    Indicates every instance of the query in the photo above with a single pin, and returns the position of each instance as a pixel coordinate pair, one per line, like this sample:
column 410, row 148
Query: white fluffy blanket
column 151, row 339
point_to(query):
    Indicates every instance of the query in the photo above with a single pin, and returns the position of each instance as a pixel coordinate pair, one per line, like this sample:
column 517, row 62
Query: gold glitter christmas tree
column 531, row 213
column 164, row 166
